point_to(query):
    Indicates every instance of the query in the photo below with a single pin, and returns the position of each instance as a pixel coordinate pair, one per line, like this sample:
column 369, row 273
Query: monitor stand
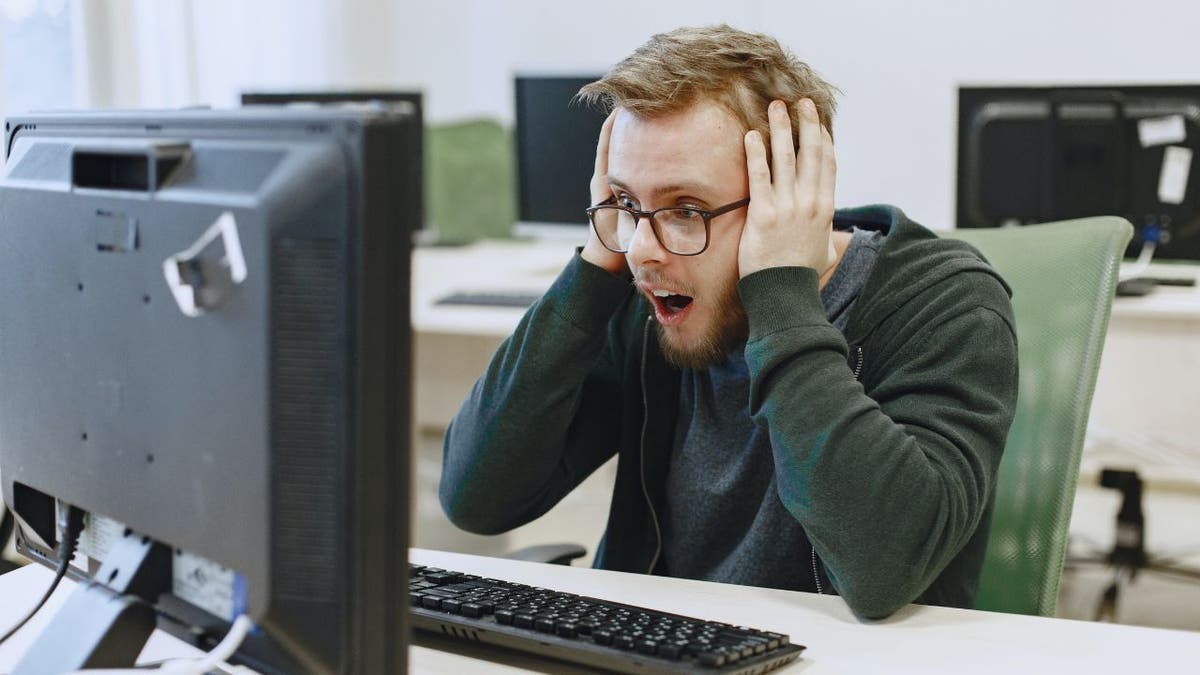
column 107, row 620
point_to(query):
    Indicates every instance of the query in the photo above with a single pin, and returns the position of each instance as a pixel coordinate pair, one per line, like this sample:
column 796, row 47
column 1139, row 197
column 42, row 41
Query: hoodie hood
column 913, row 260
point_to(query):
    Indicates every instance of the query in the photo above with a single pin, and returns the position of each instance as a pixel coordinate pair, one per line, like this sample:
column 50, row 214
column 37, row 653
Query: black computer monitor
column 206, row 350
column 1039, row 154
column 414, row 143
column 556, row 152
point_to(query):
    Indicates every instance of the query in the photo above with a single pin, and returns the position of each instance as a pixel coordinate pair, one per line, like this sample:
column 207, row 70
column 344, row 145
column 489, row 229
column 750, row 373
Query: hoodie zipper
column 642, row 450
column 858, row 366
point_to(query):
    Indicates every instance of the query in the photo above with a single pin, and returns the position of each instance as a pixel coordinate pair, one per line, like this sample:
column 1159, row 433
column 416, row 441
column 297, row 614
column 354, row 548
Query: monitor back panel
column 245, row 432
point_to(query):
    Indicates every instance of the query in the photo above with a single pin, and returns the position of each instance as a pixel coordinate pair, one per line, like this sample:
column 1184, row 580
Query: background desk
column 915, row 640
column 453, row 343
column 1144, row 414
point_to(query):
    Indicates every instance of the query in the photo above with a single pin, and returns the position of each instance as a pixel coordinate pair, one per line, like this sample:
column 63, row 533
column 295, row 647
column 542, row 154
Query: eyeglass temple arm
column 729, row 207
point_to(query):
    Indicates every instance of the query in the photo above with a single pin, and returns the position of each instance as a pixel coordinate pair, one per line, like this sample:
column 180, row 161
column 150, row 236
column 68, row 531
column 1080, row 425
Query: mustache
column 654, row 278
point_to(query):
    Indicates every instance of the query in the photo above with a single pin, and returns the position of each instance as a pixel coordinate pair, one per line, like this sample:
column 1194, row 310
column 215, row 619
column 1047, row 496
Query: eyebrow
column 692, row 188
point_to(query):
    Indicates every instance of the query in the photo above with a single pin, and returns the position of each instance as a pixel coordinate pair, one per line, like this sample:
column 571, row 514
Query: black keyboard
column 519, row 299
column 588, row 631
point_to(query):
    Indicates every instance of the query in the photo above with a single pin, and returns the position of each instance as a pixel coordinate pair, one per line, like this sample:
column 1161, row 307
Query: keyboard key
column 672, row 650
column 443, row 578
column 648, row 647
column 472, row 610
column 731, row 655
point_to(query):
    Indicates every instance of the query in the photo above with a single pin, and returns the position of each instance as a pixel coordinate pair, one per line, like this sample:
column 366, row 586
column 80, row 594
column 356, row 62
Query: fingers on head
column 605, row 132
column 601, row 167
column 756, row 164
column 828, row 157
column 783, row 152
column 828, row 179
column 811, row 133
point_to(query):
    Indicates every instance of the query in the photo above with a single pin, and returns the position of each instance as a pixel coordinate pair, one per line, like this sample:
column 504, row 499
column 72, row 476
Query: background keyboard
column 596, row 633
column 521, row 299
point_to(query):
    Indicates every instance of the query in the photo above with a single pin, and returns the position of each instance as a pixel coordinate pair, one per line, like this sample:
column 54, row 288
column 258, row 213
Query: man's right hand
column 594, row 252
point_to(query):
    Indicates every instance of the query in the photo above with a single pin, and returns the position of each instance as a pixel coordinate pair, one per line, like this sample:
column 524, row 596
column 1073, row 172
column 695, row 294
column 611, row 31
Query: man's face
column 694, row 158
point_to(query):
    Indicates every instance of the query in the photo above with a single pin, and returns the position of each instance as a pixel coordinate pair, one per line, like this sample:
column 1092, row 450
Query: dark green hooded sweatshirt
column 886, row 440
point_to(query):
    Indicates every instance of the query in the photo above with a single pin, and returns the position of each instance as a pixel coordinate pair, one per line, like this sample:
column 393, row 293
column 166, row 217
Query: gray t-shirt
column 723, row 520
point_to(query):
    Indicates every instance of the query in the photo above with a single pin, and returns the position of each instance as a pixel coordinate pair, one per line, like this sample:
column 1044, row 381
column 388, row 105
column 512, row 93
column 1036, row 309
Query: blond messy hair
column 742, row 72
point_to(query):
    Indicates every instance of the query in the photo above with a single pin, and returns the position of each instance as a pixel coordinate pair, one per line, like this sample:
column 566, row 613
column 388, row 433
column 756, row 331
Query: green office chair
column 469, row 184
column 1063, row 277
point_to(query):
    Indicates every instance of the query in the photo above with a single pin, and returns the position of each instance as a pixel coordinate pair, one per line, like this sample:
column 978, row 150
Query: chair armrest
column 557, row 554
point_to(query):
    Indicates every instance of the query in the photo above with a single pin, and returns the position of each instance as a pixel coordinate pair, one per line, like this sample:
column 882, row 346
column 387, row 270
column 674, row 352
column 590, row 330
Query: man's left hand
column 790, row 217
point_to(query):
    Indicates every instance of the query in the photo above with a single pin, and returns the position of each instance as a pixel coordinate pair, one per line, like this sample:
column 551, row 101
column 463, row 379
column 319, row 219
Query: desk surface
column 531, row 267
column 483, row 266
column 915, row 640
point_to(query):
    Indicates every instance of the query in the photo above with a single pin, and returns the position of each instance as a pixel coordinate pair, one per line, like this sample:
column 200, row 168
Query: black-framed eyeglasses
column 680, row 230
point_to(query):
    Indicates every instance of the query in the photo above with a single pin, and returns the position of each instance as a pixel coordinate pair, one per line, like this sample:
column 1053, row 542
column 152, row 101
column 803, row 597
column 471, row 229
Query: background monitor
column 1038, row 154
column 207, row 350
column 556, row 153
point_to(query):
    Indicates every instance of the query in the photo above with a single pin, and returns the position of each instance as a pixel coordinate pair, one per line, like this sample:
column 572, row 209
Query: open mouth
column 672, row 303
column 669, row 308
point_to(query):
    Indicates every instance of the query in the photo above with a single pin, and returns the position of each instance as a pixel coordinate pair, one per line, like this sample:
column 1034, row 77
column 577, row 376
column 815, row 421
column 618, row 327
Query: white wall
column 898, row 63
column 34, row 32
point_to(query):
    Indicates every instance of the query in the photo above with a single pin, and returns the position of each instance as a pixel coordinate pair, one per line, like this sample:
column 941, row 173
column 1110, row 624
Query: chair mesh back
column 469, row 181
column 1063, row 277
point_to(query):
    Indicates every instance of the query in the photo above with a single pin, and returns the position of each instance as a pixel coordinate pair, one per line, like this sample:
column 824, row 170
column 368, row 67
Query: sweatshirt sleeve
column 545, row 414
column 889, row 487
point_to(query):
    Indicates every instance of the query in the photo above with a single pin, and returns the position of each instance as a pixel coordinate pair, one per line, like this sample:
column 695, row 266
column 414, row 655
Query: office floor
column 1149, row 600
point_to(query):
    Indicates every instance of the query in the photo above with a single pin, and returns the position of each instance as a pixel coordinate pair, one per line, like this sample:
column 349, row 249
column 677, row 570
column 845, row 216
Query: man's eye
column 626, row 202
column 688, row 213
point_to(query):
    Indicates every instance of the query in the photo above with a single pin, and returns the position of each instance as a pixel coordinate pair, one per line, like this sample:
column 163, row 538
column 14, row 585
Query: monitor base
column 106, row 622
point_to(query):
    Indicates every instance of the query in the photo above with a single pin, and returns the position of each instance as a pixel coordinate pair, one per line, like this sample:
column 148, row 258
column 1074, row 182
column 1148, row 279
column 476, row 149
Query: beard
column 727, row 329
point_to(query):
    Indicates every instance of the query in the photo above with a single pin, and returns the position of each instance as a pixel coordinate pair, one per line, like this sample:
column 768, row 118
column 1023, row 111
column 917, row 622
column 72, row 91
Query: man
column 799, row 399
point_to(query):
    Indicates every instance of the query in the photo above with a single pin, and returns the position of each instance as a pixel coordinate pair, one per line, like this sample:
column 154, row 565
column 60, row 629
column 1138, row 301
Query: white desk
column 19, row 592
column 915, row 640
column 1144, row 411
column 453, row 344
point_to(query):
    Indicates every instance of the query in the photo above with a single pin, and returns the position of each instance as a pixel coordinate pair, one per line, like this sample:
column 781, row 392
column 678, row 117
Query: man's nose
column 644, row 247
